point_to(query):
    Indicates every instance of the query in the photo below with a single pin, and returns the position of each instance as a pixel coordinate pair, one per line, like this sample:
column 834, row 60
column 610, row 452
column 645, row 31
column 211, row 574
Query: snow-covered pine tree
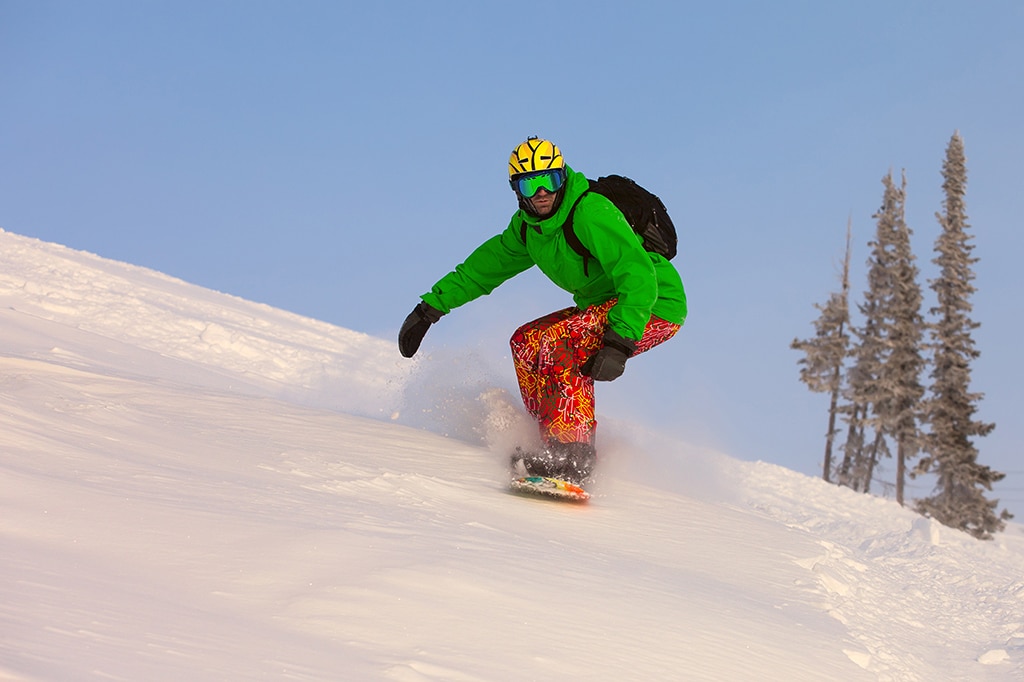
column 885, row 378
column 863, row 439
column 950, row 453
column 905, row 362
column 825, row 353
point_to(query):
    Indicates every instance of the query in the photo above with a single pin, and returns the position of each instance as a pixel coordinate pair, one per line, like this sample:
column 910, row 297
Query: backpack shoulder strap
column 570, row 235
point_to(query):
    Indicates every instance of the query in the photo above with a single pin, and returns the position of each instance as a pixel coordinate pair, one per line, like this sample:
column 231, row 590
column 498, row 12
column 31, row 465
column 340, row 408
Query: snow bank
column 158, row 326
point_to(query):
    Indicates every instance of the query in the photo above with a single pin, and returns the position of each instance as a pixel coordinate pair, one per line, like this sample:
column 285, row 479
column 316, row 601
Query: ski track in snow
column 191, row 488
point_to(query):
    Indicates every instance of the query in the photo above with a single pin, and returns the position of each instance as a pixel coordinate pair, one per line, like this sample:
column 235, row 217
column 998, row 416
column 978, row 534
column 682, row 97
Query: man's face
column 544, row 202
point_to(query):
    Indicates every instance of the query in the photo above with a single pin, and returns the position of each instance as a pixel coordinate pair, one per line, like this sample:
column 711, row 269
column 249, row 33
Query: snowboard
column 543, row 486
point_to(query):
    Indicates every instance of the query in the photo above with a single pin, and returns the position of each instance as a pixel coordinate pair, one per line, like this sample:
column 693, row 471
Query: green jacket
column 644, row 283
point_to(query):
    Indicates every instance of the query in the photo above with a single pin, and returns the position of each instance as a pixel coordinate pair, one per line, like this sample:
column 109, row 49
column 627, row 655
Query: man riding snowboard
column 627, row 300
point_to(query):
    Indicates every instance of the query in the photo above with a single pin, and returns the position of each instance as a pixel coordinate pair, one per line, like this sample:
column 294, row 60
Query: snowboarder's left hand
column 609, row 363
column 415, row 328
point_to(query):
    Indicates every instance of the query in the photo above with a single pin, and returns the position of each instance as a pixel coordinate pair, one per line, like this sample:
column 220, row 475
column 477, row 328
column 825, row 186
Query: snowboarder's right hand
column 609, row 362
column 415, row 328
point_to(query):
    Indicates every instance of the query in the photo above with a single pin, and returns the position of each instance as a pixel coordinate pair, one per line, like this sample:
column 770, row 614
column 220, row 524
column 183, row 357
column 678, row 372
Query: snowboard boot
column 539, row 463
column 572, row 462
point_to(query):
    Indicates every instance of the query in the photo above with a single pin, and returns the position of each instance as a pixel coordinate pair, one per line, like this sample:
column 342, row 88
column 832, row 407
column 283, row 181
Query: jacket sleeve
column 618, row 249
column 497, row 260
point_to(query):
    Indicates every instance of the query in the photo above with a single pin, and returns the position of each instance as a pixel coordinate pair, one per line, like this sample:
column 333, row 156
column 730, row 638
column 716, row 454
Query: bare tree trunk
column 837, row 377
column 827, row 467
column 872, row 461
column 901, row 471
column 854, row 440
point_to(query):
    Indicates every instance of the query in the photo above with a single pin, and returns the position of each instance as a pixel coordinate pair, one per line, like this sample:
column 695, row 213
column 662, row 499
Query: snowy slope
column 194, row 486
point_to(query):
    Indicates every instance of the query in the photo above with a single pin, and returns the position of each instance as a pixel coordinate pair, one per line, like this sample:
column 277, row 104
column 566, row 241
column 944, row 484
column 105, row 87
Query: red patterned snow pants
column 548, row 354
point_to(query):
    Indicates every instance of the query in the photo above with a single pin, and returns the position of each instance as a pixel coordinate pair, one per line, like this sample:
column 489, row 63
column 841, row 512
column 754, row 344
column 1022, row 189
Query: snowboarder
column 627, row 301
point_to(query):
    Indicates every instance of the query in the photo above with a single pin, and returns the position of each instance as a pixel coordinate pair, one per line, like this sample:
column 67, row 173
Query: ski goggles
column 528, row 184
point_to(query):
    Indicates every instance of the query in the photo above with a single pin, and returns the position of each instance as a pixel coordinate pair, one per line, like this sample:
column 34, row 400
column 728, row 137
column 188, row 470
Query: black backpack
column 644, row 212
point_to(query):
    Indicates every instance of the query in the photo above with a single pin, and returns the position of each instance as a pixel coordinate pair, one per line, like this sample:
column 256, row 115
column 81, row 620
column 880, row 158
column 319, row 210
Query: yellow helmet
column 534, row 155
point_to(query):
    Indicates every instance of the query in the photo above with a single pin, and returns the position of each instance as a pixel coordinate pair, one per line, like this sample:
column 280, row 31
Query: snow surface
column 197, row 487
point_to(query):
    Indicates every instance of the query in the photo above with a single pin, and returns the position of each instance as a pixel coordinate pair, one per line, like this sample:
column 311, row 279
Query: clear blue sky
column 336, row 158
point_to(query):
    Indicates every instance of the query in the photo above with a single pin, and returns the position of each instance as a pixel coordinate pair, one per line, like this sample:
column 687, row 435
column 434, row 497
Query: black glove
column 415, row 328
column 608, row 363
